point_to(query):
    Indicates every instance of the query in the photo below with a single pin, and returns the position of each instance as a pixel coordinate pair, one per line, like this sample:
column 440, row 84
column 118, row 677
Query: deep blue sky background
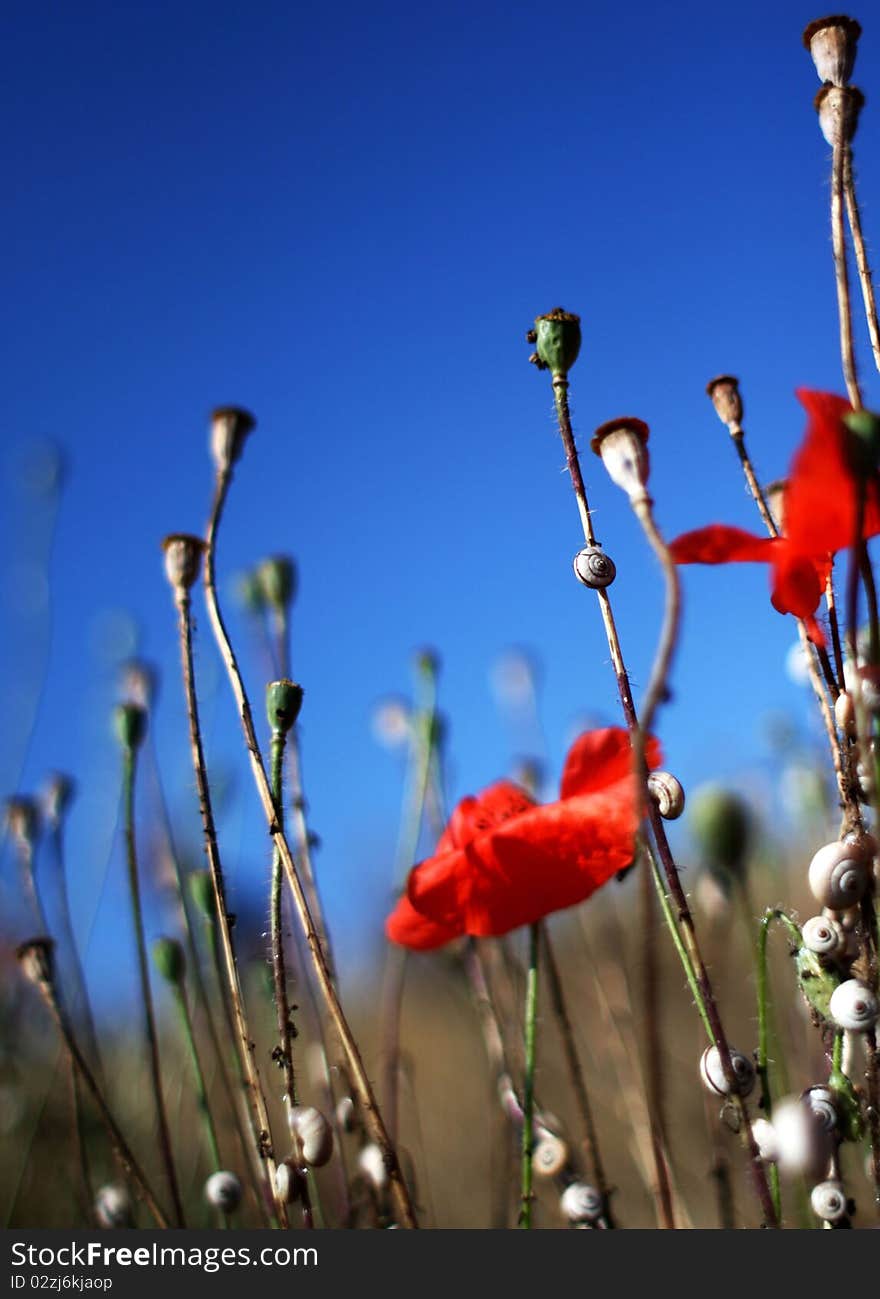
column 346, row 220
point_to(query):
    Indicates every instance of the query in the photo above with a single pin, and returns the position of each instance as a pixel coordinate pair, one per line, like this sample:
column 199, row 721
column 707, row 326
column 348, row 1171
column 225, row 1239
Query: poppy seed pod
column 139, row 682
column 828, row 1201
column 130, row 723
column 276, row 580
column 838, row 108
column 838, row 875
column 775, row 496
column 622, row 444
column 371, row 1164
column 725, row 395
column 169, row 960
column 853, row 1006
column 549, row 1156
column 581, row 1202
column 58, row 794
column 824, row 936
column 721, row 823
column 594, row 568
column 832, row 43
column 183, row 559
column 223, row 1191
column 113, row 1207
column 22, row 820
column 283, row 702
column 713, row 1077
column 37, row 960
column 201, row 890
column 667, row 793
column 230, row 426
column 558, row 336
column 314, row 1134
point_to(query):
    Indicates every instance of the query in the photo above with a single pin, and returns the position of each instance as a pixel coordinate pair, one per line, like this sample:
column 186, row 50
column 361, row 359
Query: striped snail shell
column 549, row 1156
column 345, row 1114
column 288, row 1181
column 838, row 875
column 313, row 1132
column 372, row 1165
column 824, row 936
column 594, row 568
column 713, row 1077
column 853, row 1006
column 765, row 1139
column 820, row 1100
column 113, row 1207
column 580, row 1202
column 223, row 1191
column 667, row 793
column 828, row 1201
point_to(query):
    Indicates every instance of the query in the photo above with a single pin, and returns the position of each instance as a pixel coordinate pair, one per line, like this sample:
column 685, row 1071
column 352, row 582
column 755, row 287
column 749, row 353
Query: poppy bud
column 230, row 425
column 722, row 825
column 838, row 108
column 623, row 445
column 864, row 445
column 558, row 336
column 22, row 820
column 201, row 890
column 223, row 1191
column 58, row 794
column 727, row 401
column 130, row 721
column 283, row 702
column 832, row 43
column 276, row 579
column 169, row 960
column 36, row 958
column 594, row 568
column 183, row 559
column 139, row 682
column 113, row 1207
column 249, row 593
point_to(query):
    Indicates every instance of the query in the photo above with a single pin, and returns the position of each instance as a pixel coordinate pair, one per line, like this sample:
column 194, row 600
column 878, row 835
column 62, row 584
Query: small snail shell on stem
column 594, row 568
column 824, row 936
column 713, row 1077
column 288, row 1181
column 549, row 1156
column 838, row 875
column 667, row 793
column 581, row 1203
column 113, row 1206
column 313, row 1133
column 765, row 1139
column 372, row 1166
column 828, row 1201
column 803, row 1145
column 223, row 1191
column 853, row 1006
column 820, row 1100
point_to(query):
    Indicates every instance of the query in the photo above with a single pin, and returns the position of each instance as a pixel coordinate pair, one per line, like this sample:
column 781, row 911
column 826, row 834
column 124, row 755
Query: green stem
column 678, row 943
column 528, row 1128
column 763, row 1057
column 201, row 1089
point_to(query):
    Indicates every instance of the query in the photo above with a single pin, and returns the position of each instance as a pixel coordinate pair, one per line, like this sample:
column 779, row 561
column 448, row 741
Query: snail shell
column 828, row 1201
column 838, row 875
column 765, row 1139
column 314, row 1134
column 345, row 1114
column 821, row 1101
column 803, row 1146
column 549, row 1156
column 824, row 936
column 372, row 1165
column 113, row 1207
column 223, row 1191
column 288, row 1181
column 853, row 1006
column 594, row 568
column 667, row 793
column 713, row 1077
column 844, row 712
column 580, row 1202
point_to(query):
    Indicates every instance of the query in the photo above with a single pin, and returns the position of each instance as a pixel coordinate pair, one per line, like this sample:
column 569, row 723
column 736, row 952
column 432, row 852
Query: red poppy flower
column 820, row 504
column 505, row 861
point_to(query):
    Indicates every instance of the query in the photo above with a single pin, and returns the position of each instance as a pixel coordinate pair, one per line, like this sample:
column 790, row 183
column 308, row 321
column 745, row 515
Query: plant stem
column 128, row 773
column 841, row 277
column 201, row 1089
column 529, row 1036
column 864, row 269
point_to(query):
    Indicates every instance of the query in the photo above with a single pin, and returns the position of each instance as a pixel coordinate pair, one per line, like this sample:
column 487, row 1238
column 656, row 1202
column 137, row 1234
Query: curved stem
column 861, row 256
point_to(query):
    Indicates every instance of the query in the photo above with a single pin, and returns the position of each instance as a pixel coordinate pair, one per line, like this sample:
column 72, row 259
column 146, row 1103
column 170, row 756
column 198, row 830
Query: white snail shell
column 594, row 568
column 820, row 1100
column 765, row 1139
column 844, row 712
column 712, row 1073
column 803, row 1146
column 853, row 1006
column 372, row 1164
column 345, row 1114
column 223, row 1191
column 828, row 1201
column 838, row 875
column 288, row 1180
column 113, row 1207
column 824, row 936
column 580, row 1202
column 667, row 793
column 313, row 1132
column 549, row 1156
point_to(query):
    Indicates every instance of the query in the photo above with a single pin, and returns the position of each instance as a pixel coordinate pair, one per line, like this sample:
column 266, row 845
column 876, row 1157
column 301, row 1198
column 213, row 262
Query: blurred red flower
column 505, row 860
column 819, row 508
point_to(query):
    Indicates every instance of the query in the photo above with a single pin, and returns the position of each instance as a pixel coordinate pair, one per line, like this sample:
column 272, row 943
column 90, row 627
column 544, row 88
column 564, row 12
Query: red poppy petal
column 409, row 928
column 797, row 587
column 600, row 758
column 474, row 816
column 719, row 544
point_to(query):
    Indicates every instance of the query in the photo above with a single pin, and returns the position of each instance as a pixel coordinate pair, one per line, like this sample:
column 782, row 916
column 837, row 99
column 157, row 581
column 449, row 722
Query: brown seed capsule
column 230, row 426
column 775, row 495
column 183, row 559
column 725, row 394
column 832, row 43
column 623, row 445
column 838, row 108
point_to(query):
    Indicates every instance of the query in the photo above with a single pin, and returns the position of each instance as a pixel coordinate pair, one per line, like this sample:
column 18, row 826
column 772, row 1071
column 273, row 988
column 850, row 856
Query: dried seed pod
column 853, row 1006
column 713, row 1077
column 832, row 43
column 58, row 794
column 824, row 936
column 313, row 1132
column 183, row 559
column 667, row 793
column 371, row 1164
column 838, row 875
column 725, row 394
column 828, row 1201
column 223, row 1191
column 230, row 425
column 288, row 1181
column 765, row 1139
column 594, row 568
column 549, row 1156
column 820, row 1100
column 36, row 959
column 580, row 1202
column 838, row 108
column 803, row 1146
column 22, row 819
column 622, row 444
column 113, row 1206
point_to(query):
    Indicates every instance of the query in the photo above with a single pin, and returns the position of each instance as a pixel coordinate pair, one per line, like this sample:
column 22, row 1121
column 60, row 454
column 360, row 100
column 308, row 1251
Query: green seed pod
column 849, row 1113
column 276, row 578
column 558, row 336
column 427, row 662
column 864, row 444
column 201, row 890
column 721, row 823
column 249, row 593
column 169, row 960
column 815, row 981
column 283, row 702
column 130, row 722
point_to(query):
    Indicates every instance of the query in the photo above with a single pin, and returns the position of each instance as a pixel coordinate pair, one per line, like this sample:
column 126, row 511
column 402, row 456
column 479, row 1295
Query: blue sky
column 346, row 221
